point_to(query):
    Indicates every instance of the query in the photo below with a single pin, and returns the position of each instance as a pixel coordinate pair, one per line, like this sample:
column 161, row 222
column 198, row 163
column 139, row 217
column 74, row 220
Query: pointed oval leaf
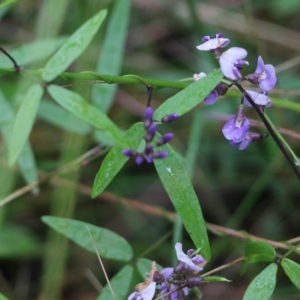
column 62, row 118
column 177, row 183
column 110, row 59
column 24, row 121
column 26, row 158
column 191, row 96
column 73, row 47
column 82, row 109
column 263, row 285
column 115, row 160
column 109, row 244
column 258, row 251
column 120, row 284
column 292, row 270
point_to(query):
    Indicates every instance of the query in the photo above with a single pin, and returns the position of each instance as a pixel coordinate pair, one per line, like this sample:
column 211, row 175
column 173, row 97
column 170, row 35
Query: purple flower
column 213, row 42
column 166, row 138
column 231, row 62
column 170, row 118
column 187, row 264
column 167, row 287
column 237, row 127
column 149, row 135
column 264, row 75
column 160, row 154
column 145, row 290
column 249, row 137
column 260, row 99
column 148, row 117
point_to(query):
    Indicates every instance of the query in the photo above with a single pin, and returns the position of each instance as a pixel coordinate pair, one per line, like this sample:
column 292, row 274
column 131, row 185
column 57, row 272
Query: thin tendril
column 16, row 66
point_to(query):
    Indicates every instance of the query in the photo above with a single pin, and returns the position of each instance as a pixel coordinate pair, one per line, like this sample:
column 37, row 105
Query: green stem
column 272, row 130
column 109, row 79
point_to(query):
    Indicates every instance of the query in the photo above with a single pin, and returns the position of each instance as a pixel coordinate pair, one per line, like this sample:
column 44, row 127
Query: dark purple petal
column 170, row 118
column 148, row 137
column 148, row 117
column 166, row 138
column 194, row 282
column 129, row 152
column 149, row 113
column 211, row 98
column 160, row 154
column 221, row 89
column 148, row 149
column 139, row 159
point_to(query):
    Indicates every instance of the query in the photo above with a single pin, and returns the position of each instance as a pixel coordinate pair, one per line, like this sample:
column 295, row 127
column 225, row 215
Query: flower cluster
column 149, row 153
column 172, row 283
column 236, row 130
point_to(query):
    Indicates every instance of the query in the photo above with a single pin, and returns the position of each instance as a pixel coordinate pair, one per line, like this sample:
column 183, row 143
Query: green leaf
column 292, row 270
column 62, row 118
column 2, row 297
column 109, row 244
column 26, row 158
column 82, row 109
column 24, row 121
column 177, row 183
column 263, row 285
column 115, row 160
column 73, row 47
column 258, row 251
column 144, row 266
column 191, row 96
column 23, row 54
column 215, row 279
column 120, row 284
column 110, row 59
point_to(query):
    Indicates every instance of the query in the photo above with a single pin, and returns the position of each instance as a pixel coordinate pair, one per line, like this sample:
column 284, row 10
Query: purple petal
column 258, row 98
column 270, row 81
column 235, row 133
column 170, row 118
column 229, row 58
column 139, row 159
column 182, row 257
column 211, row 98
column 214, row 43
column 160, row 154
column 260, row 65
column 148, row 113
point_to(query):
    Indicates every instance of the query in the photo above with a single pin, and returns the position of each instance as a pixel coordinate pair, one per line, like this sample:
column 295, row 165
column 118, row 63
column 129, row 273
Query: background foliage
column 252, row 190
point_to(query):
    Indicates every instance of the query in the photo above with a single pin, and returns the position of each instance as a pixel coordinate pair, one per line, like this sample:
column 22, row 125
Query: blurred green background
column 253, row 190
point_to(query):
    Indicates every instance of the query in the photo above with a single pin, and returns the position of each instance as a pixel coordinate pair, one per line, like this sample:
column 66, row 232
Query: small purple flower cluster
column 236, row 130
column 172, row 283
column 149, row 153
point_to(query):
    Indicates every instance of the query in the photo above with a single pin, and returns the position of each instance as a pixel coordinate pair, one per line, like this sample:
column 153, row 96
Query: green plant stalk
column 272, row 131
